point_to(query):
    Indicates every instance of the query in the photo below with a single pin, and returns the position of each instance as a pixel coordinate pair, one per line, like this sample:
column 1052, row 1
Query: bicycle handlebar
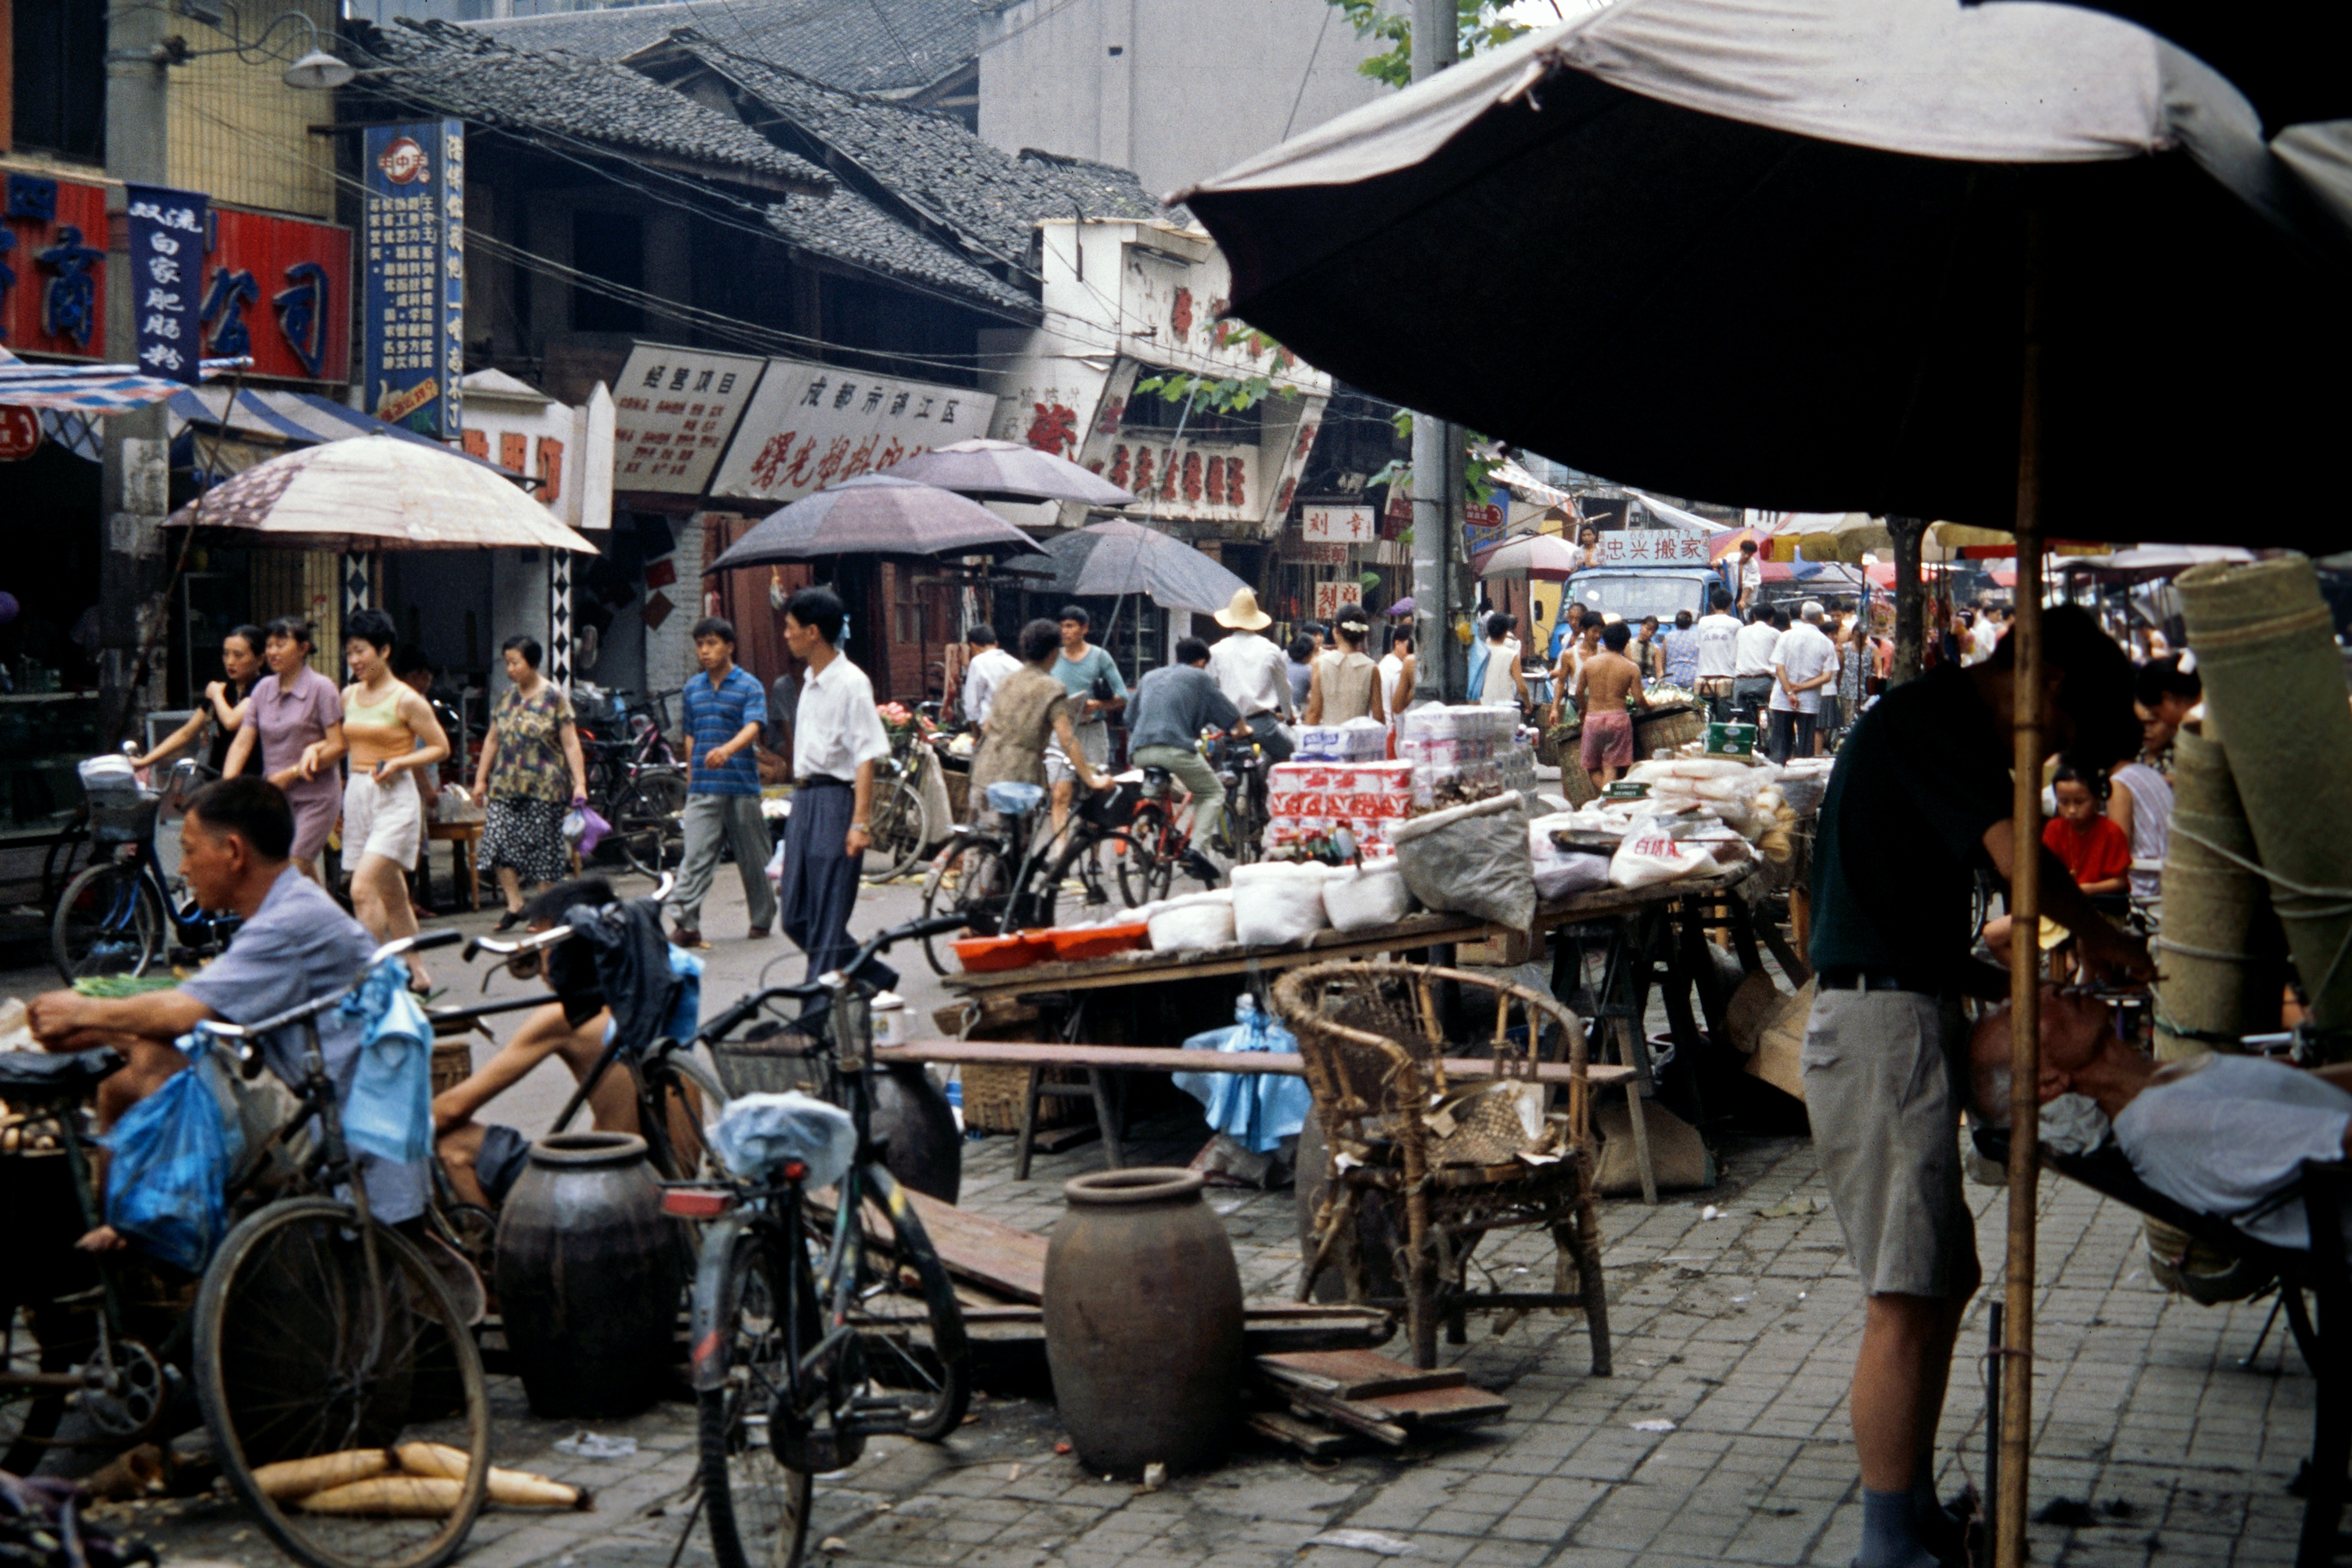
column 421, row 942
column 538, row 940
column 734, row 1018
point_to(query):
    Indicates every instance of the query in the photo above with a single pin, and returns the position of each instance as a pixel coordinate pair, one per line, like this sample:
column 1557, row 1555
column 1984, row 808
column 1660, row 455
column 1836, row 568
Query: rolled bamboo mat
column 2274, row 699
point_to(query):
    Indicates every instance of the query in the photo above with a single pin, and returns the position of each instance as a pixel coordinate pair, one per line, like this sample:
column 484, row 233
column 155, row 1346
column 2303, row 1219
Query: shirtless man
column 1603, row 685
column 483, row 1159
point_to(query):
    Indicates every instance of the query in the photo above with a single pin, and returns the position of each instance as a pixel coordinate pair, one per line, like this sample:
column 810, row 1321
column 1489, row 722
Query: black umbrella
column 1110, row 560
column 1008, row 471
column 1775, row 252
column 2290, row 61
column 876, row 515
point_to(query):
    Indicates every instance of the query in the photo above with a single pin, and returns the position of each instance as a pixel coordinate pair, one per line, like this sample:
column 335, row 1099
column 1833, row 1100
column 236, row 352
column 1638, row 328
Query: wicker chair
column 1458, row 1165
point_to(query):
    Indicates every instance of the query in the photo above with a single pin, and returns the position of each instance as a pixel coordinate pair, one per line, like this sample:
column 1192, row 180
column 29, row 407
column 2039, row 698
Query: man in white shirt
column 1252, row 674
column 837, row 740
column 1751, row 666
column 1746, row 577
column 990, row 664
column 1718, row 657
column 1803, row 662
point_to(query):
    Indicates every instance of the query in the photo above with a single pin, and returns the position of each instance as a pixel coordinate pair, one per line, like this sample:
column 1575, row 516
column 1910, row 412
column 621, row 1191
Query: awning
column 259, row 424
column 1666, row 512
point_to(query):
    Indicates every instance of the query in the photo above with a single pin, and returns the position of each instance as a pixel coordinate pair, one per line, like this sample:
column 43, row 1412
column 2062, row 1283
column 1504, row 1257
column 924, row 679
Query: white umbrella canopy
column 372, row 492
column 1546, row 557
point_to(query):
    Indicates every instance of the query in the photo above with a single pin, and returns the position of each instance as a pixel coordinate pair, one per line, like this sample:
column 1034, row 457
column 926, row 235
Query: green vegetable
column 115, row 986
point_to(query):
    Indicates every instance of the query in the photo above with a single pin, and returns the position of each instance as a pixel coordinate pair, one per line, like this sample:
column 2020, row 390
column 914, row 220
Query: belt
column 824, row 781
column 1846, row 978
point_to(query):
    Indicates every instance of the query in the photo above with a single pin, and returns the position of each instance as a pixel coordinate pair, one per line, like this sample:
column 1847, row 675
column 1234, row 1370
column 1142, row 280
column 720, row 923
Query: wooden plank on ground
column 1313, row 1441
column 1167, row 1058
column 1357, row 1374
column 1266, row 1329
column 1001, row 1258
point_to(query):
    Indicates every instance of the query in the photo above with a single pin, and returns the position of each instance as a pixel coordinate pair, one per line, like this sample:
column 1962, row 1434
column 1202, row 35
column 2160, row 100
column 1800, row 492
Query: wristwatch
column 858, row 827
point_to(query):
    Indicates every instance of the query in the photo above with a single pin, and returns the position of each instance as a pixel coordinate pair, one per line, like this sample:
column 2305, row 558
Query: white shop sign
column 816, row 424
column 674, row 411
column 1337, row 524
column 1649, row 547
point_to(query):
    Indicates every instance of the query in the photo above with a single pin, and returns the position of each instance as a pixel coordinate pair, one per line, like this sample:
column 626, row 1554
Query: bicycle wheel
column 1147, row 868
column 752, row 1311
column 316, row 1337
column 651, row 823
column 688, row 1103
column 899, row 828
column 910, row 1331
column 968, row 878
column 110, row 921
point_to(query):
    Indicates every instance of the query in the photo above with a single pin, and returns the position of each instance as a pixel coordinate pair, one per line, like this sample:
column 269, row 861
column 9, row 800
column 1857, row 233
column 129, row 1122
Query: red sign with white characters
column 20, row 432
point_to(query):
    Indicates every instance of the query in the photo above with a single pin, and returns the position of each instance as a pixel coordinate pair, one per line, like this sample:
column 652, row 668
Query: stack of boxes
column 1307, row 802
column 1462, row 753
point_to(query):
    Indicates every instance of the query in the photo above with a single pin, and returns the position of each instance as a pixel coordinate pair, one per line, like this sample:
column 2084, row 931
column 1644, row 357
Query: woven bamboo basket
column 992, row 1095
column 453, row 1063
column 1664, row 729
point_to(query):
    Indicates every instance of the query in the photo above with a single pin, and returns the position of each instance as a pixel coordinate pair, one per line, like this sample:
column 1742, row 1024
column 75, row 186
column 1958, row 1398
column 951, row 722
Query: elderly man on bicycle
column 295, row 943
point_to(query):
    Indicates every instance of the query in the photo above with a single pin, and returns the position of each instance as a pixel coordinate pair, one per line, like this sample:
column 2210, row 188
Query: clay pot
column 917, row 1129
column 588, row 1276
column 1143, row 1322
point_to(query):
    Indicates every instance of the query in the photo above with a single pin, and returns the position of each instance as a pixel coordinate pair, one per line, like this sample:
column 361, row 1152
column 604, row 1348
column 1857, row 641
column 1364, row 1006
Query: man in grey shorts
column 1919, row 800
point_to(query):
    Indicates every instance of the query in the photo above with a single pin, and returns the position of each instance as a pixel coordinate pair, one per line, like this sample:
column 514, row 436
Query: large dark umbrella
column 1776, row 252
column 876, row 515
column 1008, row 471
column 2289, row 60
column 1832, row 256
column 1110, row 560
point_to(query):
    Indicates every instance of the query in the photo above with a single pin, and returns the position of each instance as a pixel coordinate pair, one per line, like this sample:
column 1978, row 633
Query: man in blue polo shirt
column 724, row 709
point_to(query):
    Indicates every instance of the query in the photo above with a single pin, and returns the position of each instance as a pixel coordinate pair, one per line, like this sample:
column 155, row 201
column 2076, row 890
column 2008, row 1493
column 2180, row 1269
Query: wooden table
column 464, row 839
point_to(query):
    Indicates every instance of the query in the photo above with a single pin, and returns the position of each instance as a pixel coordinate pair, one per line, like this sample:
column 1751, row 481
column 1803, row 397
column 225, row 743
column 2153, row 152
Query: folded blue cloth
column 1257, row 1110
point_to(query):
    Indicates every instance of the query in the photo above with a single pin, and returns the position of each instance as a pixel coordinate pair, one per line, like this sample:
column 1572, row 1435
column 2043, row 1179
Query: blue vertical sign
column 413, row 262
column 166, row 232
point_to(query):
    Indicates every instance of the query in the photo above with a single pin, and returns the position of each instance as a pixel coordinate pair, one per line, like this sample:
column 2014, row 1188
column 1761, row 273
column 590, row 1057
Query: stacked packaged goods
column 1307, row 802
column 1464, row 752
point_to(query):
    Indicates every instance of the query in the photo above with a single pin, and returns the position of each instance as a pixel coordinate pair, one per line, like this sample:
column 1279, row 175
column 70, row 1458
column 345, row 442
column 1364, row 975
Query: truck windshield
column 1633, row 597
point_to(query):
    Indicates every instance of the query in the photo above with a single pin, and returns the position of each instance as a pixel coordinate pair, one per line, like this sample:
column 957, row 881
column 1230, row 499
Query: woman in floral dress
column 531, row 770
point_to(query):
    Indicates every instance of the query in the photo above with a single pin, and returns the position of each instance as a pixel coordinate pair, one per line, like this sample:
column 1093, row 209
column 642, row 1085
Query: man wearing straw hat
column 1252, row 674
column 1921, row 798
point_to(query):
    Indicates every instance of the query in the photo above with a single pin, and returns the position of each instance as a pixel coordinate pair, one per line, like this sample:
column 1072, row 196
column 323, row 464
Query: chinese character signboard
column 816, row 424
column 166, row 231
column 1483, row 523
column 1329, row 597
column 673, row 412
column 53, row 267
column 1337, row 524
column 277, row 290
column 1306, row 552
column 413, row 252
column 1651, row 547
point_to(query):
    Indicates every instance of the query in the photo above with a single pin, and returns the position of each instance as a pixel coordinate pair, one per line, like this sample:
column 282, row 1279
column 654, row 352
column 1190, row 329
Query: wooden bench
column 464, row 839
column 1095, row 1061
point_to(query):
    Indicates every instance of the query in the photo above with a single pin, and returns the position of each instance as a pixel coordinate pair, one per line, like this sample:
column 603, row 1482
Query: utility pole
column 134, row 492
column 1439, row 565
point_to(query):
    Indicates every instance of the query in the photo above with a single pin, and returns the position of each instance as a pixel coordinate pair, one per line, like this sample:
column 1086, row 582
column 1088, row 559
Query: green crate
column 1730, row 739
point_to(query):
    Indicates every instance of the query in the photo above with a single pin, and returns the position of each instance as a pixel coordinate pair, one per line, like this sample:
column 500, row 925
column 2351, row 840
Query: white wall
column 669, row 651
column 1196, row 85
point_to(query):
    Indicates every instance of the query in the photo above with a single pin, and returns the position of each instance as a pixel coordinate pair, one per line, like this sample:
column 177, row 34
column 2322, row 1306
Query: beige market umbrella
column 1545, row 557
column 373, row 492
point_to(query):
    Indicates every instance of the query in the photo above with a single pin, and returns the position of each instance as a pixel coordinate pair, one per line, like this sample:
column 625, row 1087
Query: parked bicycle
column 636, row 781
column 120, row 915
column 899, row 824
column 1000, row 880
column 820, row 1318
column 316, row 1328
column 1241, row 763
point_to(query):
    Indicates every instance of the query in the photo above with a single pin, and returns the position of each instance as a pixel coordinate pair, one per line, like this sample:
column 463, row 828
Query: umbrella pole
column 2024, row 953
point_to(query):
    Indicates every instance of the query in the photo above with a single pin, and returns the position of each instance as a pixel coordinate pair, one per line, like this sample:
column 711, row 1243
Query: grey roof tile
column 450, row 70
column 843, row 227
column 868, row 45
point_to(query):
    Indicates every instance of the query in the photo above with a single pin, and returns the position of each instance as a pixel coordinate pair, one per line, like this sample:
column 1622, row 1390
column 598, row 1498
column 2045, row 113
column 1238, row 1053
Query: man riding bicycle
column 295, row 943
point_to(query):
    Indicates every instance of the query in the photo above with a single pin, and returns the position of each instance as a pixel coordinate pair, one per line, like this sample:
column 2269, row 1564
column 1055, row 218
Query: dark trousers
column 1792, row 736
column 820, row 885
column 1750, row 693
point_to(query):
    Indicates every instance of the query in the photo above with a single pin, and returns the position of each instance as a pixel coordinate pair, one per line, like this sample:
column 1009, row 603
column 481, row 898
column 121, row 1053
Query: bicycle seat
column 1156, row 778
column 38, row 1078
column 1015, row 799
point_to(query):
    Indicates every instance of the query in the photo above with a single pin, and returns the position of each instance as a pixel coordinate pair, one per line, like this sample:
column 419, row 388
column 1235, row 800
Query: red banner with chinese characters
column 53, row 267
column 279, row 289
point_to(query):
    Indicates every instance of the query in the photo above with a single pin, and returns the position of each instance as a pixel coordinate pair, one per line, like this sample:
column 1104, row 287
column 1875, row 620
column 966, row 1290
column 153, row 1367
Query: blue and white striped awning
column 90, row 388
column 274, row 420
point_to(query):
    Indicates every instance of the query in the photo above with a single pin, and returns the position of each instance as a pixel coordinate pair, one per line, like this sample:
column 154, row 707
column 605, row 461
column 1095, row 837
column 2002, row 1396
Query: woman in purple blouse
column 290, row 712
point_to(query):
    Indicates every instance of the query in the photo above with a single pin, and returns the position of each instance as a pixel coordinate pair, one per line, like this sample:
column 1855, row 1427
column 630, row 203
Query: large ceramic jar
column 921, row 1144
column 588, row 1269
column 1143, row 1322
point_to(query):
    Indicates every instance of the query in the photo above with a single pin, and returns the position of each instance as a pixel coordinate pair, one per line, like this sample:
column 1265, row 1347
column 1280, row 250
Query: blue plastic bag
column 389, row 1110
column 686, row 1010
column 167, row 1177
column 1257, row 1112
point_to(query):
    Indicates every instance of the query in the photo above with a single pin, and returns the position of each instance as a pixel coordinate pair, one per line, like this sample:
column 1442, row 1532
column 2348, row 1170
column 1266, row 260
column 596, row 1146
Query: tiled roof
column 449, row 70
column 844, row 226
column 927, row 159
column 869, row 45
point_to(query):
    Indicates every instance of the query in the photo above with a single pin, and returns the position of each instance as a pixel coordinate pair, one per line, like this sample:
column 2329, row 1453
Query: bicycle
column 1159, row 838
column 637, row 783
column 317, row 1329
column 1002, row 881
column 804, row 1314
column 118, row 916
column 1241, row 766
column 898, row 825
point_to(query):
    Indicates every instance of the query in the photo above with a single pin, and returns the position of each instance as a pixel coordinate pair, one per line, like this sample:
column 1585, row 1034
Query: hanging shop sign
column 810, row 425
column 1651, row 547
column 414, row 258
column 20, row 432
column 1483, row 523
column 166, row 229
column 1331, row 597
column 674, row 411
column 1331, row 524
column 53, row 267
column 1309, row 552
column 277, row 291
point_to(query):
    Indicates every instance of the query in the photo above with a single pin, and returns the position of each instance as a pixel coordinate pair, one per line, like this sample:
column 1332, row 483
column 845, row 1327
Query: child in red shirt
column 2094, row 850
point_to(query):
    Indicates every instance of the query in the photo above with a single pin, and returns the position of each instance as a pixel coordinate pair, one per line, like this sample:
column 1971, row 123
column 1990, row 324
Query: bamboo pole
column 2024, row 955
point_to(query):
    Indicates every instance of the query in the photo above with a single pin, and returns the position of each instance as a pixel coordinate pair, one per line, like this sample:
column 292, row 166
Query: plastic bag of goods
column 1277, row 903
column 1194, row 923
column 758, row 1133
column 1563, row 869
column 1651, row 854
column 1363, row 898
column 1471, row 860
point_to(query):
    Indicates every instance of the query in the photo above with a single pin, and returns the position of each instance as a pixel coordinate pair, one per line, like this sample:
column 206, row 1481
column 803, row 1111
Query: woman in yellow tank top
column 383, row 816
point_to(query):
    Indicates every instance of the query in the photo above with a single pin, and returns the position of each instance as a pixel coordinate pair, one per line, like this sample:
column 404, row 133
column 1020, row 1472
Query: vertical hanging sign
column 413, row 257
column 166, row 232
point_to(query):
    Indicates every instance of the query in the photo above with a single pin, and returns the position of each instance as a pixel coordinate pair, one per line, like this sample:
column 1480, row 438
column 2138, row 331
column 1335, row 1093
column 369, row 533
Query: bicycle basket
column 1113, row 807
column 120, row 811
column 773, row 1058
